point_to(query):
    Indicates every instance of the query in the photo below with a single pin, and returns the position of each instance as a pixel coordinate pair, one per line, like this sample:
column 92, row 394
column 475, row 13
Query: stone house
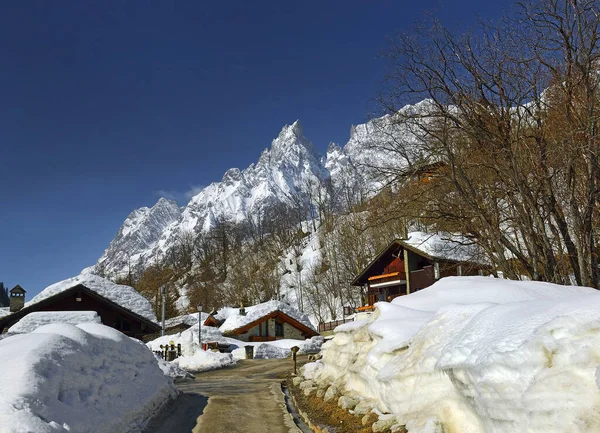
column 269, row 321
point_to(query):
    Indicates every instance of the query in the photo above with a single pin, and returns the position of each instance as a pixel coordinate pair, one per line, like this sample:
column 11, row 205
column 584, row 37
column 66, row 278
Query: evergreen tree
column 4, row 299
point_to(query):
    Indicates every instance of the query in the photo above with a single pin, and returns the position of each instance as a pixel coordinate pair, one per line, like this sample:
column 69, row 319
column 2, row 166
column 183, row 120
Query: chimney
column 242, row 310
column 17, row 298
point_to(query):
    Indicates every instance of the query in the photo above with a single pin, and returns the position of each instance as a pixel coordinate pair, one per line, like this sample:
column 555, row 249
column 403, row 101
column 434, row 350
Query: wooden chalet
column 82, row 298
column 406, row 266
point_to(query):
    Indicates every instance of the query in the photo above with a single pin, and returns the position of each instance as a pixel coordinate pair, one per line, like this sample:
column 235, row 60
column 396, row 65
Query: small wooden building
column 81, row 298
column 408, row 265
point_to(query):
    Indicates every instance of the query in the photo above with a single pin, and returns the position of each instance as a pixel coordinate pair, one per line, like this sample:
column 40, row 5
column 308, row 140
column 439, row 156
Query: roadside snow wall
column 475, row 355
column 87, row 378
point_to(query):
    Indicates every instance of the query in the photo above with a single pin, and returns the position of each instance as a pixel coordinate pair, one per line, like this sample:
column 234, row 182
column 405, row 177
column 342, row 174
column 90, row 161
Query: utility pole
column 200, row 325
column 164, row 295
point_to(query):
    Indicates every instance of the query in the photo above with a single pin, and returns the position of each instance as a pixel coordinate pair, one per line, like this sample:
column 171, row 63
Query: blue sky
column 107, row 104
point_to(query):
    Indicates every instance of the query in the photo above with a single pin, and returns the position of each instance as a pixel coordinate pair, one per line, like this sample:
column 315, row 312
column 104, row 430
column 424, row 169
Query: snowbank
column 84, row 378
column 125, row 296
column 475, row 355
column 32, row 321
column 204, row 360
column 269, row 351
column 193, row 359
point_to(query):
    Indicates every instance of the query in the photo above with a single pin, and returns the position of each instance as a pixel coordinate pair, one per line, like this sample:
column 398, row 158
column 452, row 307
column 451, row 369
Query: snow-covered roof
column 445, row 246
column 235, row 320
column 124, row 296
column 36, row 319
column 186, row 319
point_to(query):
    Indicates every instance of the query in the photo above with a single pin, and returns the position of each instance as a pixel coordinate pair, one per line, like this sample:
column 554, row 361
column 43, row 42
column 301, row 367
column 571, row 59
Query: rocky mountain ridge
column 291, row 166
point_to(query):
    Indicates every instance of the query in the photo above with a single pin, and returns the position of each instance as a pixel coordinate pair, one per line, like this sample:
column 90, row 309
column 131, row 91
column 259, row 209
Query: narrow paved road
column 246, row 398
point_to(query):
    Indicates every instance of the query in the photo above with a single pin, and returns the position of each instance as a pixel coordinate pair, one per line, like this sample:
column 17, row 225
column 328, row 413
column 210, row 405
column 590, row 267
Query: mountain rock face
column 289, row 167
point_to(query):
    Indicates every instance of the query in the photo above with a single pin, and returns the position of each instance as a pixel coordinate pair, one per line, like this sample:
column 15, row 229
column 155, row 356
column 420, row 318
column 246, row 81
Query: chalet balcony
column 260, row 338
column 386, row 280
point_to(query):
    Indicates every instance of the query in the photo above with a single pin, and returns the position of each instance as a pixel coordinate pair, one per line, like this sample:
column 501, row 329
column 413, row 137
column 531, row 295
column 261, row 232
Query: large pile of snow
column 269, row 351
column 32, row 321
column 235, row 320
column 125, row 296
column 203, row 360
column 194, row 359
column 475, row 355
column 84, row 378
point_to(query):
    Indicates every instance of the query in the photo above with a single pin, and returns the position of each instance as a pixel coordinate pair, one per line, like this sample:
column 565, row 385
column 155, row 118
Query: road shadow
column 180, row 415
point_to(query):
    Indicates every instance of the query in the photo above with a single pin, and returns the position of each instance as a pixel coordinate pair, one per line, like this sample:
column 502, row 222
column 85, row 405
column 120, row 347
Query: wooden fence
column 330, row 326
column 169, row 352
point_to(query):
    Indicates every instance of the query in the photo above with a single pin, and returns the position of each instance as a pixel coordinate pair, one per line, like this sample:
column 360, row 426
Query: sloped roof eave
column 416, row 250
column 297, row 324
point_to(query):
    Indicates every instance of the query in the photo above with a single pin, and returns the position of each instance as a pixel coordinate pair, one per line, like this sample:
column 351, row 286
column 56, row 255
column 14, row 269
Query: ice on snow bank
column 86, row 378
column 475, row 355
column 268, row 351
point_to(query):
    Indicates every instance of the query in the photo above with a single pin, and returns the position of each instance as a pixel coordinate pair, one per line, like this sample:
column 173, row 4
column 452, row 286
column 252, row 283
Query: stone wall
column 290, row 332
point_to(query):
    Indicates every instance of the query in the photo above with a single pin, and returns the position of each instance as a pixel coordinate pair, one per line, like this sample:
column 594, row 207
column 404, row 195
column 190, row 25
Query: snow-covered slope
column 289, row 167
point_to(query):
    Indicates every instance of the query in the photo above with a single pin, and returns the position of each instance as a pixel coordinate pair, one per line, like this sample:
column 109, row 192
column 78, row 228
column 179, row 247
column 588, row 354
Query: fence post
column 294, row 350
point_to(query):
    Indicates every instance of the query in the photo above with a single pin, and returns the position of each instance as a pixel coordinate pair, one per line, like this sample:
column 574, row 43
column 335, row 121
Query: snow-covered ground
column 475, row 355
column 84, row 378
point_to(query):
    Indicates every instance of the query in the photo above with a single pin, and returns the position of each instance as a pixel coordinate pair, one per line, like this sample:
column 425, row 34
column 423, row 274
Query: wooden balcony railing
column 259, row 338
column 330, row 326
column 378, row 280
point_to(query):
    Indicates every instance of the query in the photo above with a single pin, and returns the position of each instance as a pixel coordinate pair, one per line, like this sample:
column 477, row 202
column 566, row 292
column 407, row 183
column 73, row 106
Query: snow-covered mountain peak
column 290, row 166
column 291, row 145
column 232, row 175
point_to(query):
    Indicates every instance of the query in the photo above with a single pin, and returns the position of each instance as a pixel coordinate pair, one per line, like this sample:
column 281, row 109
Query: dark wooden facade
column 401, row 269
column 80, row 298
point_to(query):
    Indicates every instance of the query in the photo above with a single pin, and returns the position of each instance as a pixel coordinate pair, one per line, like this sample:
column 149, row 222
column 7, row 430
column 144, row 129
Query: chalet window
column 278, row 329
column 263, row 329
